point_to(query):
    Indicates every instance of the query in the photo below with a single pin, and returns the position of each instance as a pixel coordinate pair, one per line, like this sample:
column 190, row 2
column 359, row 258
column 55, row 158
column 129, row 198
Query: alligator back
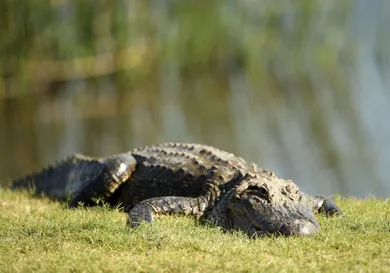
column 176, row 169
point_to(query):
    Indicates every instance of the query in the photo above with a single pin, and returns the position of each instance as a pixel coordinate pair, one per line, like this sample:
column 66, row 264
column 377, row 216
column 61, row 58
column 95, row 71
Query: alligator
column 207, row 183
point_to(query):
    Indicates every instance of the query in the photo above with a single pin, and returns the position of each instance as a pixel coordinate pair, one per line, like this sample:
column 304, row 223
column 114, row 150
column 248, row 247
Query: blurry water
column 303, row 92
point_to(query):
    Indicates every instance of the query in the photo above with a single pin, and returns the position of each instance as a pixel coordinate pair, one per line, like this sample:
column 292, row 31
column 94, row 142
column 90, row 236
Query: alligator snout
column 299, row 227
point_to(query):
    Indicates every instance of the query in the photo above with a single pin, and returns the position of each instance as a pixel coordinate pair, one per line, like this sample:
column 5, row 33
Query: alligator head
column 264, row 204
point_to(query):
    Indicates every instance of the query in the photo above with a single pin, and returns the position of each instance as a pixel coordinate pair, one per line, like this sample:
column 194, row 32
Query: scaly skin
column 71, row 177
column 188, row 179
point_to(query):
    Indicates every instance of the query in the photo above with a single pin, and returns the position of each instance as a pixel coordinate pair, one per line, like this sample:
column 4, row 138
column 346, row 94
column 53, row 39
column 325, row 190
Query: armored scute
column 188, row 179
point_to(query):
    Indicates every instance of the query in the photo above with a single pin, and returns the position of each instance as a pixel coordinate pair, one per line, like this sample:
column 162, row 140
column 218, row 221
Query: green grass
column 40, row 235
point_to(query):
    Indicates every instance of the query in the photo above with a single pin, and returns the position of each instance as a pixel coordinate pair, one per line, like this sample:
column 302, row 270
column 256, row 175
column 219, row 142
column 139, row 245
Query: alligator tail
column 60, row 181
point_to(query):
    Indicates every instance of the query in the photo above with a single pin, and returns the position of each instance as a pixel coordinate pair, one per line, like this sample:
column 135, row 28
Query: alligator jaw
column 293, row 228
column 298, row 227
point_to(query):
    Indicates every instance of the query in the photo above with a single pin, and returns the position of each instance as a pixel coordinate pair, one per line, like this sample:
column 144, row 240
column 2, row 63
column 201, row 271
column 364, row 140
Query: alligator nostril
column 307, row 229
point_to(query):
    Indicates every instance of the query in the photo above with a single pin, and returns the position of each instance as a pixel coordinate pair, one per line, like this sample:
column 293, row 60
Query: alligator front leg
column 322, row 204
column 113, row 172
column 148, row 209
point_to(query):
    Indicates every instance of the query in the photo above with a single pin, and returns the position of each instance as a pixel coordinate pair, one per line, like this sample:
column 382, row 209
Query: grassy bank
column 39, row 235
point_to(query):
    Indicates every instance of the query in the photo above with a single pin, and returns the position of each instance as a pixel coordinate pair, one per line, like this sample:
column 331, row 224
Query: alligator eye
column 260, row 191
column 264, row 192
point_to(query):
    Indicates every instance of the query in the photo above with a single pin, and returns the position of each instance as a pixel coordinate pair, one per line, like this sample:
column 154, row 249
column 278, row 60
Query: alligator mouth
column 299, row 228
column 293, row 228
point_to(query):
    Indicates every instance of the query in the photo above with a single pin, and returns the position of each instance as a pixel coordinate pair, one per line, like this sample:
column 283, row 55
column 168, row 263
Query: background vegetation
column 300, row 87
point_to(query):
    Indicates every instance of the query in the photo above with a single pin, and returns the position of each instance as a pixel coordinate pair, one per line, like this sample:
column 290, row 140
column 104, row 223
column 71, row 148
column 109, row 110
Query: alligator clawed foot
column 329, row 208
